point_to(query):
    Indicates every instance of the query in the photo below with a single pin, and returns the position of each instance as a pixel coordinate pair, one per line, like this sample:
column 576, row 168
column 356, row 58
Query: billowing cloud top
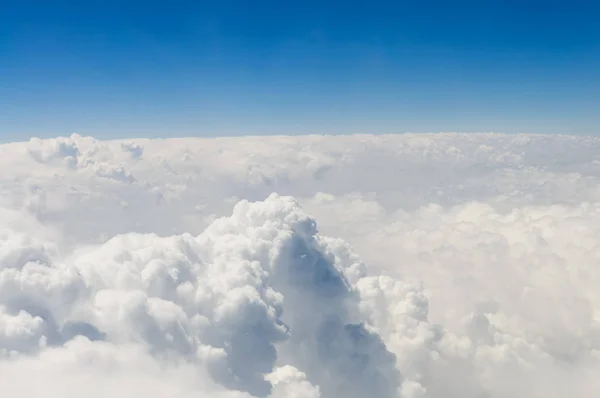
column 170, row 268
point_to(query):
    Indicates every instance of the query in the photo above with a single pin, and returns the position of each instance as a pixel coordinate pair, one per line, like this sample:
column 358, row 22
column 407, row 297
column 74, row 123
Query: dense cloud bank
column 463, row 266
column 256, row 294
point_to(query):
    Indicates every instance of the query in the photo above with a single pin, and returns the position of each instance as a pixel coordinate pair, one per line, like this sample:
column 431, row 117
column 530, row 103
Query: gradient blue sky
column 174, row 68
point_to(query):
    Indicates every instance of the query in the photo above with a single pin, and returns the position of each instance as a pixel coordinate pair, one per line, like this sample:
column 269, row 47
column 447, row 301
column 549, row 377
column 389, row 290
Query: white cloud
column 462, row 266
column 289, row 382
column 81, row 368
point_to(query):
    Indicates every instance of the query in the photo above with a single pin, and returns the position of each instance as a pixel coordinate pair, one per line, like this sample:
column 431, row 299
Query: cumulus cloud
column 258, row 282
column 386, row 266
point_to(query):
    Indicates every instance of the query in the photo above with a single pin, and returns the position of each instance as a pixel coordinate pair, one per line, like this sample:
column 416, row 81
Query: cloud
column 226, row 300
column 289, row 382
column 387, row 266
column 510, row 292
column 83, row 368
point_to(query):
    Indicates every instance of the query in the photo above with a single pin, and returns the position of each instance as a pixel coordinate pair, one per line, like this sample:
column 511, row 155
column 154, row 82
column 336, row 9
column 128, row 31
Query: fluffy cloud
column 463, row 266
column 258, row 282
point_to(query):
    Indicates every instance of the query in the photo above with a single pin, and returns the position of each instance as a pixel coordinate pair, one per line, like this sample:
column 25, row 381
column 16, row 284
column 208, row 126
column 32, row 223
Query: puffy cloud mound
column 250, row 301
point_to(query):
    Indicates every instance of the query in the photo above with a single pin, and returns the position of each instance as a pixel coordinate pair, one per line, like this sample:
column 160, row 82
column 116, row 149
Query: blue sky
column 130, row 69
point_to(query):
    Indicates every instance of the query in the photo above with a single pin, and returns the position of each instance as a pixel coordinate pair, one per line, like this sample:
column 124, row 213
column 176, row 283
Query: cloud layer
column 462, row 266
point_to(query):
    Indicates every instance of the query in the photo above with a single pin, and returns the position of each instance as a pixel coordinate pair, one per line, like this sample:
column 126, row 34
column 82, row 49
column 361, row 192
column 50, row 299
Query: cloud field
column 413, row 266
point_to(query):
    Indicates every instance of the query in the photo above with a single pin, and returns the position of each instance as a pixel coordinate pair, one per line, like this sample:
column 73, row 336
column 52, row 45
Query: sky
column 160, row 69
column 385, row 266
